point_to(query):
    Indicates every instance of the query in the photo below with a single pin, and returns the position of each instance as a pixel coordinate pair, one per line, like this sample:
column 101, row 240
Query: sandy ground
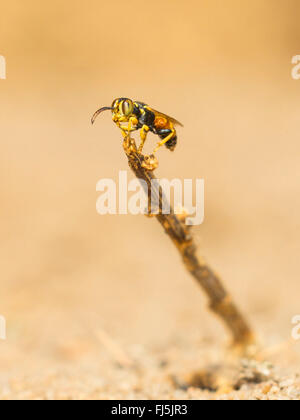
column 101, row 306
column 94, row 366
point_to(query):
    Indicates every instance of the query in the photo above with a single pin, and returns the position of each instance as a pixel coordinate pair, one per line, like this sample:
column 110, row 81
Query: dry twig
column 220, row 301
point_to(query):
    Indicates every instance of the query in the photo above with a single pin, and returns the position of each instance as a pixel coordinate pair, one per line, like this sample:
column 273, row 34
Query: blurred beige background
column 224, row 70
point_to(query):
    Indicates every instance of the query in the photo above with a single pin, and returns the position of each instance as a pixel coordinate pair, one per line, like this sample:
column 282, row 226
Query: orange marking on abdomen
column 161, row 122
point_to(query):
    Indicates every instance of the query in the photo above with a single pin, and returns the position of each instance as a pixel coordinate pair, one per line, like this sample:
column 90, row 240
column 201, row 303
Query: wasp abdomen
column 163, row 133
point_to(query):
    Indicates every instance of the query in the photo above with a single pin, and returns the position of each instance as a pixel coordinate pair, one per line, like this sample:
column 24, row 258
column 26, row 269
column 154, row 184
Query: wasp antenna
column 105, row 108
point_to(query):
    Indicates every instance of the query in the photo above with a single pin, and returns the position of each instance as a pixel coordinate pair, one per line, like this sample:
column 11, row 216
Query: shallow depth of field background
column 224, row 70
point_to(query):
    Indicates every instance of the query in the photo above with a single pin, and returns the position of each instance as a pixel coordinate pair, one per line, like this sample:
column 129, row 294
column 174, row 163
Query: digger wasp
column 134, row 115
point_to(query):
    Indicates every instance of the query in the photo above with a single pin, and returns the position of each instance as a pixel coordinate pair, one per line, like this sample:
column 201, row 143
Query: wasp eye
column 126, row 107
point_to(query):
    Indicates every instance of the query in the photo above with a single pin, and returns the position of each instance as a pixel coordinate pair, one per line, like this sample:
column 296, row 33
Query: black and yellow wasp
column 133, row 115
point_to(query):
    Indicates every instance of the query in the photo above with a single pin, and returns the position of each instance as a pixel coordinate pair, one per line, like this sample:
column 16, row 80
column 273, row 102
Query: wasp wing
column 161, row 114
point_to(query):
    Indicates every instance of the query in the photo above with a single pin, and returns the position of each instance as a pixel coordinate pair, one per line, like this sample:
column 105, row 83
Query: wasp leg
column 130, row 126
column 144, row 131
column 124, row 133
column 165, row 140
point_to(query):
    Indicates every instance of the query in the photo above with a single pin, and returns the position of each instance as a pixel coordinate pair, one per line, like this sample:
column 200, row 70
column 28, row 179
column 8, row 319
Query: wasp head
column 121, row 107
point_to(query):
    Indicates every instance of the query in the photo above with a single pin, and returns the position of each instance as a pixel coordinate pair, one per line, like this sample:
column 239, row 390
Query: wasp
column 134, row 115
